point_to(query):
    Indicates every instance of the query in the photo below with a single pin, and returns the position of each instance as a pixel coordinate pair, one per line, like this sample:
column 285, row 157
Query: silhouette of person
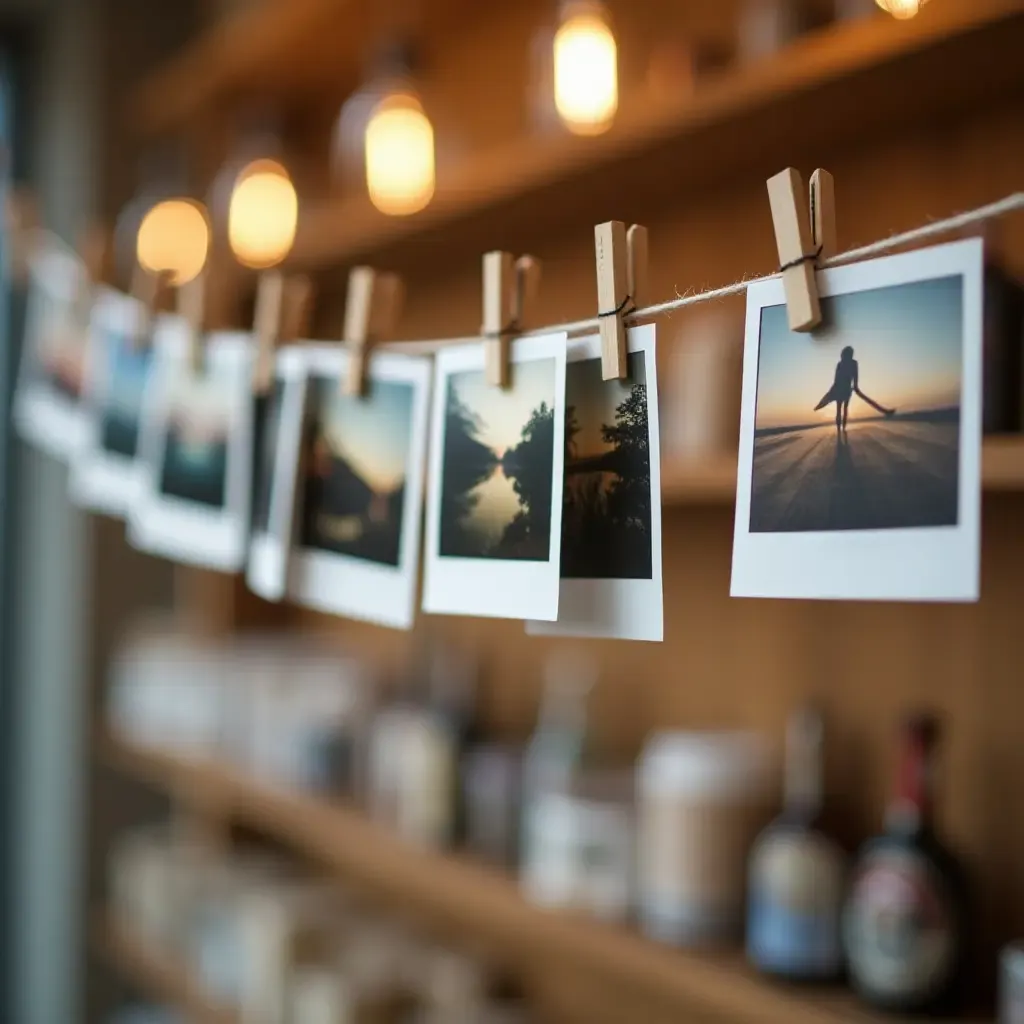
column 846, row 383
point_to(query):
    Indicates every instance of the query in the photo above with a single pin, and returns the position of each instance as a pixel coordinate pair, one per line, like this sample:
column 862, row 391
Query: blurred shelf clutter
column 421, row 809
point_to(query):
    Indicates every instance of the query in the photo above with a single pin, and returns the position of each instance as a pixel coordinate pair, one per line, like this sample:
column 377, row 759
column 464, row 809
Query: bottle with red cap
column 904, row 923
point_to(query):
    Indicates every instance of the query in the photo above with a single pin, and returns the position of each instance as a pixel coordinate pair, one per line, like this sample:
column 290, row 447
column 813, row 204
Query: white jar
column 701, row 802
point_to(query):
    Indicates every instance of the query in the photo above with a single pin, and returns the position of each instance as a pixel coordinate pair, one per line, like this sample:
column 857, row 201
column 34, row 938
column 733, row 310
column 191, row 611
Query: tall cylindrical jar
column 701, row 800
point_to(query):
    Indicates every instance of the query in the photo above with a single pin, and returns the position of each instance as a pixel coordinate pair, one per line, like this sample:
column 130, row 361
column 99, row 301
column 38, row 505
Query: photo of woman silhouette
column 847, row 383
column 874, row 465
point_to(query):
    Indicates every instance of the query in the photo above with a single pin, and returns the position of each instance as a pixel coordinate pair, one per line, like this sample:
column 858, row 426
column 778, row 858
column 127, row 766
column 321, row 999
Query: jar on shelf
column 701, row 800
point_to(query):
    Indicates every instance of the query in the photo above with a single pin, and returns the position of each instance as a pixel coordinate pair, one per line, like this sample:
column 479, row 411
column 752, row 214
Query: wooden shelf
column 839, row 85
column 486, row 903
column 713, row 481
column 156, row 974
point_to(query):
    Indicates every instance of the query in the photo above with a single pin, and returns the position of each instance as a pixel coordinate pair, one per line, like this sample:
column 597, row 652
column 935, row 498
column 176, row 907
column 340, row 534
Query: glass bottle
column 797, row 871
column 905, row 915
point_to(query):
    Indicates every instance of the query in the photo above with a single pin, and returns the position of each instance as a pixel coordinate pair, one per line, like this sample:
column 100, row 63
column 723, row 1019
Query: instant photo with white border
column 496, row 585
column 916, row 563
column 272, row 542
column 214, row 536
column 46, row 415
column 617, row 608
column 359, row 584
column 107, row 474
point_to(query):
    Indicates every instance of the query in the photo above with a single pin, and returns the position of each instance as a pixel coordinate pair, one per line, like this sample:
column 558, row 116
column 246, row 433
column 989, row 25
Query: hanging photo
column 860, row 446
column 494, row 516
column 611, row 583
column 360, row 467
column 106, row 475
column 48, row 410
column 196, row 447
column 279, row 421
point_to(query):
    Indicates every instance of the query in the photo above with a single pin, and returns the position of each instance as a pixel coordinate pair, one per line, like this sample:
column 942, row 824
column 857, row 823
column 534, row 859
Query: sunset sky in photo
column 504, row 412
column 372, row 432
column 596, row 399
column 906, row 340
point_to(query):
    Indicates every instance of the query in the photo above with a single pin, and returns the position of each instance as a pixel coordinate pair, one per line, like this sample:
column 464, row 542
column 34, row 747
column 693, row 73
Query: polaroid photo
column 494, row 506
column 860, row 445
column 48, row 410
column 278, row 424
column 360, row 463
column 196, row 449
column 106, row 474
column 611, row 582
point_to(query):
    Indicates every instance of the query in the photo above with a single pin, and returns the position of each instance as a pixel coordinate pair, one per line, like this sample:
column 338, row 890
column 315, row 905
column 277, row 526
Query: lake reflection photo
column 497, row 465
column 606, row 503
column 356, row 453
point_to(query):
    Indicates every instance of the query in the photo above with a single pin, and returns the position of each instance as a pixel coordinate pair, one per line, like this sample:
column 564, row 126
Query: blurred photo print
column 611, row 581
column 860, row 448
column 278, row 432
column 197, row 451
column 494, row 525
column 107, row 473
column 48, row 407
column 360, row 489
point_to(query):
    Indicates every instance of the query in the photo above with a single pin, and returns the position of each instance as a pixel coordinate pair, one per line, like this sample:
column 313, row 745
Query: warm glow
column 901, row 9
column 586, row 72
column 262, row 214
column 174, row 238
column 399, row 156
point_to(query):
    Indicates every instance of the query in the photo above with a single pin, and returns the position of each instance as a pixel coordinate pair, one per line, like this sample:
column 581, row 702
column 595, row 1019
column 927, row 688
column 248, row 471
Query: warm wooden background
column 732, row 663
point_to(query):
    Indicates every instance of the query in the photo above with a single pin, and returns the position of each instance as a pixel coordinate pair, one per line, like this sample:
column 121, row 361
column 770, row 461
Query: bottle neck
column 803, row 779
column 911, row 809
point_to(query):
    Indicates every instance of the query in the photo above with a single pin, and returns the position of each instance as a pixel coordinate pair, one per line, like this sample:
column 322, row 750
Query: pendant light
column 174, row 238
column 902, row 9
column 254, row 200
column 586, row 77
column 385, row 133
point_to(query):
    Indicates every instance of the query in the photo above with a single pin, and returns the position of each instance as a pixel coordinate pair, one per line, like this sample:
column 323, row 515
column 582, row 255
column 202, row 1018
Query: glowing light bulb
column 586, row 71
column 174, row 238
column 902, row 9
column 399, row 156
column 262, row 214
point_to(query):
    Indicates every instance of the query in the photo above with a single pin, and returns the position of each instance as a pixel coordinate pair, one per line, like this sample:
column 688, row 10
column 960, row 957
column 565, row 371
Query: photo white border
column 45, row 417
column 619, row 609
column 102, row 480
column 187, row 531
column 342, row 584
column 270, row 549
column 494, row 587
column 912, row 564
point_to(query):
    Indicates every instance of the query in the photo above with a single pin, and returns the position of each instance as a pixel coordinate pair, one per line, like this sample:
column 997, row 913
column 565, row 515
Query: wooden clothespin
column 510, row 288
column 192, row 309
column 282, row 314
column 371, row 311
column 621, row 278
column 802, row 240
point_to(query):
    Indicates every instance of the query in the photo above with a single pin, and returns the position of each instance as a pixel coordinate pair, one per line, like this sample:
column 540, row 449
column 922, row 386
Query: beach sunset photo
column 858, row 425
column 497, row 465
column 357, row 463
